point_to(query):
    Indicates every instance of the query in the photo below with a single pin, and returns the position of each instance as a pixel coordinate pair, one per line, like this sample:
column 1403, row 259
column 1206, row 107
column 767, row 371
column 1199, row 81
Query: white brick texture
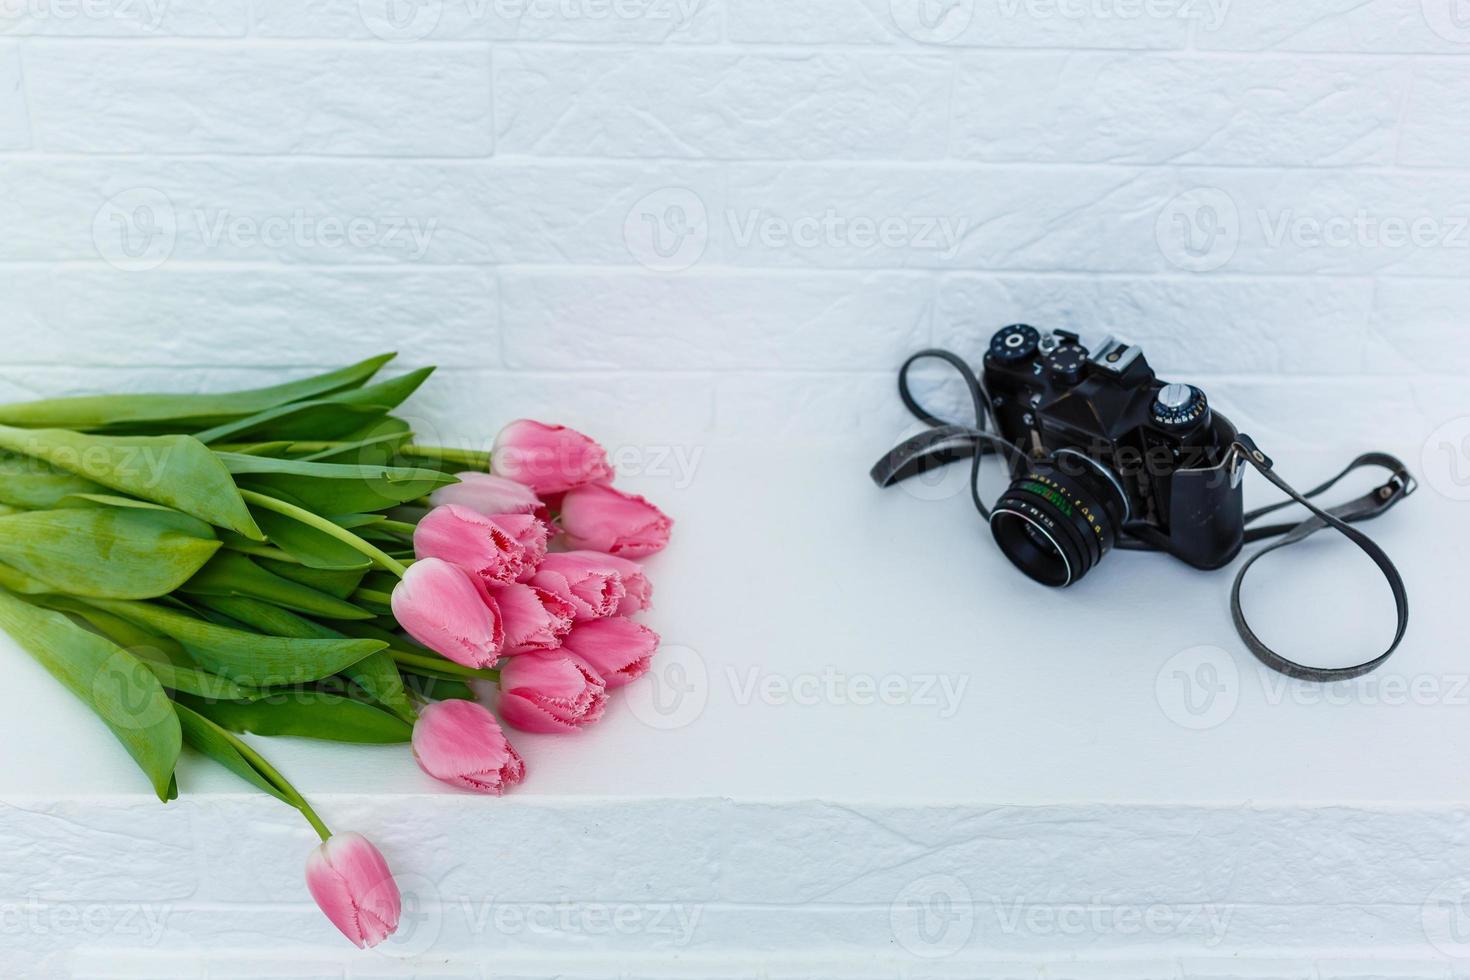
column 747, row 211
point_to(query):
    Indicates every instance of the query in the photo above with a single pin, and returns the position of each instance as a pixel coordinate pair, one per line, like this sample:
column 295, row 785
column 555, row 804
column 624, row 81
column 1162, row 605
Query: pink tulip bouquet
column 289, row 561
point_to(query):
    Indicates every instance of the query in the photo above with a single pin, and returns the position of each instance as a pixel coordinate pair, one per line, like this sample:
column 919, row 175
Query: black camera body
column 1106, row 449
column 1103, row 454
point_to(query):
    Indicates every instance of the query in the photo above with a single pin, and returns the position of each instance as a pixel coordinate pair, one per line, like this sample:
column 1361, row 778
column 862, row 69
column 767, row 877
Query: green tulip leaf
column 122, row 691
column 432, row 688
column 331, row 581
column 110, row 552
column 176, row 471
column 210, row 739
column 376, row 674
column 318, row 420
column 230, row 573
column 312, row 548
column 306, row 714
column 333, row 488
column 244, row 656
column 322, row 419
column 29, row 482
column 180, row 413
column 376, row 447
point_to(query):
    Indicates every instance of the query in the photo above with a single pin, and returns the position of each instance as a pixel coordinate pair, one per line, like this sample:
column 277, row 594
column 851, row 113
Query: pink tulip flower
column 599, row 518
column 351, row 883
column 460, row 743
column 619, row 649
column 480, row 545
column 534, row 618
column 448, row 611
column 528, row 532
column 550, row 691
column 636, row 584
column 548, row 458
column 583, row 579
column 490, row 495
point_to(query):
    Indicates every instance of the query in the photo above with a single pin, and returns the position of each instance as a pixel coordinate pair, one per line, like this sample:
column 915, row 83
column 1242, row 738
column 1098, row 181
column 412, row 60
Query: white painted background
column 676, row 222
column 736, row 216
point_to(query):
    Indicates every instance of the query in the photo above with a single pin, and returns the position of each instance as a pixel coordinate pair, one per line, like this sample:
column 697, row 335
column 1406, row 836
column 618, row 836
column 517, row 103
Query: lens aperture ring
column 1056, row 526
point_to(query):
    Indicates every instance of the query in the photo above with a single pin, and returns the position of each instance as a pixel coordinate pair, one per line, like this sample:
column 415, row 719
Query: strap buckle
column 1402, row 483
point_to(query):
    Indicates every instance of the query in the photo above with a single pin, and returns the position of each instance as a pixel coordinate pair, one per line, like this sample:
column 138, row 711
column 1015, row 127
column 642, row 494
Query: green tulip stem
column 326, row 527
column 280, row 782
column 440, row 665
column 468, row 458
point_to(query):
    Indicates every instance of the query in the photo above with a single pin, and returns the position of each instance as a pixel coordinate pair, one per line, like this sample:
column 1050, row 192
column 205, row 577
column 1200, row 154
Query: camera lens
column 1059, row 519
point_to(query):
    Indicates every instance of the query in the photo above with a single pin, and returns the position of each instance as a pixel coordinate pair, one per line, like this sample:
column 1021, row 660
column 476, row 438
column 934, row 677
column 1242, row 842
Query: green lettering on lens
column 1044, row 491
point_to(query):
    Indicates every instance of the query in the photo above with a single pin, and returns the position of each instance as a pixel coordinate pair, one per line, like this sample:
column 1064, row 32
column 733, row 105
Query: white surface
column 792, row 577
column 796, row 825
column 652, row 221
column 754, row 207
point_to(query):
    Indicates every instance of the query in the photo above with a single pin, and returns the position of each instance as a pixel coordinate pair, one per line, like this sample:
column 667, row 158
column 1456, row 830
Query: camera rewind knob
column 1014, row 344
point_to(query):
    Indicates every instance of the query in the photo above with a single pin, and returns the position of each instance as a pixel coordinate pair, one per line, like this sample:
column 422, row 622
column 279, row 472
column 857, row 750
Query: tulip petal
column 351, row 883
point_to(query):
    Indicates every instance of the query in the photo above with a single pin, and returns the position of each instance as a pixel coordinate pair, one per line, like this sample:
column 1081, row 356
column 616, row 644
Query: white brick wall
column 740, row 214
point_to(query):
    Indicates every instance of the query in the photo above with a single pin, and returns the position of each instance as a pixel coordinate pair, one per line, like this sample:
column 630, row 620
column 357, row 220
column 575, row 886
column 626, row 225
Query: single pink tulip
column 583, row 579
column 448, row 611
column 548, row 458
column 490, row 495
column 636, row 584
column 600, row 518
column 352, row 884
column 550, row 691
column 528, row 532
column 535, row 619
column 480, row 545
column 460, row 743
column 619, row 649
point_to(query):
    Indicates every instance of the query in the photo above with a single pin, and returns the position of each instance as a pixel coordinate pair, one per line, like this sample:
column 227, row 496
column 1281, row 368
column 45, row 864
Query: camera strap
column 1400, row 485
column 947, row 442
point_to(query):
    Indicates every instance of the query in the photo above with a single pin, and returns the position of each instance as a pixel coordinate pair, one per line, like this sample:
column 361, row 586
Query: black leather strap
column 1340, row 518
column 946, row 442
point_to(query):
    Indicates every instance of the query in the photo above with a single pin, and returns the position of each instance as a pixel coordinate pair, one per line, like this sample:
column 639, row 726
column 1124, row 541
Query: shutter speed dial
column 1179, row 407
column 1065, row 364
